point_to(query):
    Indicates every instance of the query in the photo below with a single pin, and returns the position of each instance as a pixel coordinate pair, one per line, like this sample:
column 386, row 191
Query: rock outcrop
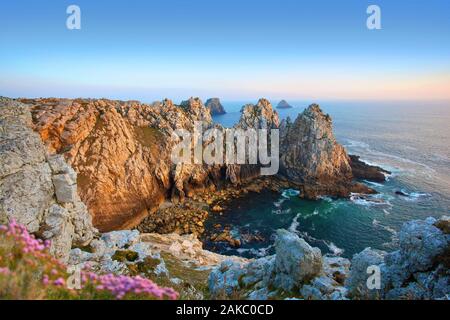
column 253, row 116
column 418, row 270
column 296, row 270
column 121, row 152
column 363, row 171
column 283, row 105
column 214, row 106
column 311, row 156
column 38, row 190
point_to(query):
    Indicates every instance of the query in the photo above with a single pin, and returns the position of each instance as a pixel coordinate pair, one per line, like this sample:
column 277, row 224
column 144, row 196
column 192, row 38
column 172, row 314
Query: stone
column 65, row 188
column 120, row 239
column 356, row 283
column 296, row 261
column 324, row 284
column 58, row 228
column 28, row 194
column 363, row 171
column 224, row 280
column 310, row 293
column 444, row 224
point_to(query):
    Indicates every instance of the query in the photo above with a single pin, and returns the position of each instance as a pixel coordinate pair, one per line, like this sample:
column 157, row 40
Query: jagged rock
column 224, row 280
column 324, row 284
column 120, row 239
column 336, row 268
column 25, row 176
column 58, row 228
column 310, row 293
column 283, row 105
column 214, row 106
column 259, row 116
column 65, row 188
column 420, row 243
column 311, row 156
column 31, row 184
column 121, row 152
column 444, row 224
column 356, row 283
column 417, row 270
column 362, row 170
column 296, row 261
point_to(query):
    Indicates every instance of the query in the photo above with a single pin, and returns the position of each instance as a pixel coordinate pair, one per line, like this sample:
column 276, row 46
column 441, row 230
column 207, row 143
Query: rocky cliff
column 37, row 189
column 214, row 106
column 258, row 116
column 121, row 153
column 418, row 270
column 311, row 156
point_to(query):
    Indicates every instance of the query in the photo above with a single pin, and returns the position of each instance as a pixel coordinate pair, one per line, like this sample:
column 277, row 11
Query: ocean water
column 410, row 139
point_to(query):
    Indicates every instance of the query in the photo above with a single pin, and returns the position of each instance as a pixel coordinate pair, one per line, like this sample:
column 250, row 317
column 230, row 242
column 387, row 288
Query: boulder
column 296, row 261
column 356, row 283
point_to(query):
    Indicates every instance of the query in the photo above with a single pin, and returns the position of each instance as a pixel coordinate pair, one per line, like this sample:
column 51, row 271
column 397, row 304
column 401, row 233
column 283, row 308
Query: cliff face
column 38, row 190
column 121, row 151
column 259, row 116
column 214, row 106
column 311, row 156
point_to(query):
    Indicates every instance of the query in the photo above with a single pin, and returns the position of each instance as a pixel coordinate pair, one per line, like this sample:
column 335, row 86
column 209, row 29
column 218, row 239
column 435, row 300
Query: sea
column 409, row 138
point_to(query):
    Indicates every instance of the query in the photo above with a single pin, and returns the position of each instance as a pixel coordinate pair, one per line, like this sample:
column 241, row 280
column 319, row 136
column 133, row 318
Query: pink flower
column 5, row 271
column 59, row 282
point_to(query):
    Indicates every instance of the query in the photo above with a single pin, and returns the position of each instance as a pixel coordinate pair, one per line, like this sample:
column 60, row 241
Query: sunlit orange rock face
column 121, row 152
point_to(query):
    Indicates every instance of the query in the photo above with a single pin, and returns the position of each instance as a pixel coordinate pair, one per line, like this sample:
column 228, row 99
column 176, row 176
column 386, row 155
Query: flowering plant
column 28, row 271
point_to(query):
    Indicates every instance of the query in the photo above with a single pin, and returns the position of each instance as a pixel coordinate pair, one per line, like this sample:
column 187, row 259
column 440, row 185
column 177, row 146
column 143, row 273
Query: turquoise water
column 409, row 139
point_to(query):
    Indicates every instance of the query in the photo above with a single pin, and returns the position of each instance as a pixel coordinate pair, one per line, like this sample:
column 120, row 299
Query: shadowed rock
column 214, row 106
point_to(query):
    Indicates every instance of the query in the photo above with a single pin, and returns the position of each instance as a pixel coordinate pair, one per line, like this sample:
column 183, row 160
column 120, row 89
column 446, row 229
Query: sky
column 235, row 50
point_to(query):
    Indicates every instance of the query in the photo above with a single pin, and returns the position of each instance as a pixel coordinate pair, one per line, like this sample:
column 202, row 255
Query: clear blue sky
column 232, row 49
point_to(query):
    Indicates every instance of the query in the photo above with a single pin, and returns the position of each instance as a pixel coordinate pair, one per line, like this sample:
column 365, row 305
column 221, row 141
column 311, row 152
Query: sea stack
column 283, row 105
column 214, row 105
column 311, row 156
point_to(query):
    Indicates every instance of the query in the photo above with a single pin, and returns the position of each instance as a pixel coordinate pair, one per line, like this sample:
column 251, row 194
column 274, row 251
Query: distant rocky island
column 94, row 178
column 283, row 105
column 214, row 105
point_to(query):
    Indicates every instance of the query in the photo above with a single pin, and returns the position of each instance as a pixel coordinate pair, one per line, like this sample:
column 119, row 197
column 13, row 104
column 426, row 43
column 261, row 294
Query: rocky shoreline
column 69, row 167
column 121, row 153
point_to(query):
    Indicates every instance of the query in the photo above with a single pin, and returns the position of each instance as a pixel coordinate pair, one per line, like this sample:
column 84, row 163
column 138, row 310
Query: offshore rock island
column 94, row 177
